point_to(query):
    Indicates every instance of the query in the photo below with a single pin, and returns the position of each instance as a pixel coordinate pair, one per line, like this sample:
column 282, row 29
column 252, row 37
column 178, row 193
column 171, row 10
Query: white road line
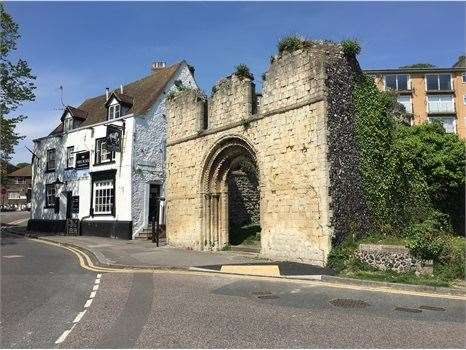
column 79, row 316
column 99, row 275
column 97, row 281
column 88, row 303
column 95, row 287
column 63, row 336
column 17, row 221
column 92, row 295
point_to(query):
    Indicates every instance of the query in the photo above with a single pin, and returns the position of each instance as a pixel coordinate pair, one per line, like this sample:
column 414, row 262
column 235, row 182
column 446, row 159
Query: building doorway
column 154, row 197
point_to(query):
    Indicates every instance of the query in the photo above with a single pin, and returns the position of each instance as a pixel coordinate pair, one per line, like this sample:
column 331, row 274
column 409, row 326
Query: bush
column 451, row 264
column 242, row 70
column 351, row 47
column 292, row 43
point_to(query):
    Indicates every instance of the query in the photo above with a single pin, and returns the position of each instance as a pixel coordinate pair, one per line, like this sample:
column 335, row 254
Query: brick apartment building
column 429, row 94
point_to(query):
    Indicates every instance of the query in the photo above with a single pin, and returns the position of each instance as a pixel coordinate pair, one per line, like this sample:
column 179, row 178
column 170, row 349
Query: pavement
column 49, row 301
column 143, row 255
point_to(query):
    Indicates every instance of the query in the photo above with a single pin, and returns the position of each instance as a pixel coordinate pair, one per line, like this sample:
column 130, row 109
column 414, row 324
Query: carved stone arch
column 223, row 157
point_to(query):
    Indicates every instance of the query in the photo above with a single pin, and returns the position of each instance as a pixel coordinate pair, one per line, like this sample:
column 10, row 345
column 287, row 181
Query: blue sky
column 87, row 46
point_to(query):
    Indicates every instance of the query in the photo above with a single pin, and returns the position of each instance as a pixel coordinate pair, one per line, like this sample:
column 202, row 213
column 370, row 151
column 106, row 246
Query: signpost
column 82, row 160
column 72, row 227
column 113, row 138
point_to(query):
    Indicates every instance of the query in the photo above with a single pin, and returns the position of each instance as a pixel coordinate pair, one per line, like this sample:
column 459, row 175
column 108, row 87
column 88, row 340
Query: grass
column 246, row 234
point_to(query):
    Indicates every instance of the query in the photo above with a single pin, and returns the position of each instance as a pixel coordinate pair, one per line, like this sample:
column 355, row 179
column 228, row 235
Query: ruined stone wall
column 244, row 197
column 288, row 136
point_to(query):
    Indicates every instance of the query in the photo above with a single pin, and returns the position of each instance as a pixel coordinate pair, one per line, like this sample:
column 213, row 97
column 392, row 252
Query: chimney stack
column 158, row 65
column 121, row 88
column 107, row 91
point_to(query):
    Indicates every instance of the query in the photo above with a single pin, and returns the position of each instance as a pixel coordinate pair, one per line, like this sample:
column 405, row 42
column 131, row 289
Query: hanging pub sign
column 82, row 160
column 113, row 138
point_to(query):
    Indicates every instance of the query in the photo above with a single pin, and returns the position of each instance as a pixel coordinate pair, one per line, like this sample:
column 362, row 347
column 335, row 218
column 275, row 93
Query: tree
column 419, row 65
column 16, row 85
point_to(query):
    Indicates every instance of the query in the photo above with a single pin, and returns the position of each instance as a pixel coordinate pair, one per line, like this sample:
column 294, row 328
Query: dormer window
column 68, row 123
column 114, row 111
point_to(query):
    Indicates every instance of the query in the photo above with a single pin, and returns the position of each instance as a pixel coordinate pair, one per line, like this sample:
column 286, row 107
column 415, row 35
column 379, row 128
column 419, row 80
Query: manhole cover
column 262, row 292
column 349, row 303
column 268, row 296
column 407, row 309
column 432, row 308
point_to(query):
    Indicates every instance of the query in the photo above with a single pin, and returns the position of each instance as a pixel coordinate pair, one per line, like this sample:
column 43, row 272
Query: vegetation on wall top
column 242, row 71
column 351, row 47
column 419, row 65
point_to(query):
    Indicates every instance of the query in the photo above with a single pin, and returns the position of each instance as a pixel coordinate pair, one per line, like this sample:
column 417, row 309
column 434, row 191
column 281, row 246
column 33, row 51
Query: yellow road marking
column 86, row 263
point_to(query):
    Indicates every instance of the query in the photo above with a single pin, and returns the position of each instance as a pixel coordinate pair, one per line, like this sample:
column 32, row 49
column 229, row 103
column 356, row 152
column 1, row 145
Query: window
column 68, row 124
column 13, row 195
column 437, row 82
column 448, row 122
column 406, row 102
column 464, row 77
column 70, row 157
column 464, row 100
column 397, row 82
column 440, row 104
column 114, row 111
column 50, row 196
column 51, row 160
column 102, row 155
column 20, row 181
column 103, row 197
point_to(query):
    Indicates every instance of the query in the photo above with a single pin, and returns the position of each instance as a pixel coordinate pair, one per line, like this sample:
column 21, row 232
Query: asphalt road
column 44, row 291
column 14, row 218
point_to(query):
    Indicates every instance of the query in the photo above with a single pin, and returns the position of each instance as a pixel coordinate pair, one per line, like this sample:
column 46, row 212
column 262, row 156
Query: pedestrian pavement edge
column 246, row 270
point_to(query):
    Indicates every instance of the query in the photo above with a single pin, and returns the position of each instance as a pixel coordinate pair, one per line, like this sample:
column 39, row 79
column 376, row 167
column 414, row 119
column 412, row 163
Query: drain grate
column 407, row 309
column 262, row 292
column 349, row 303
column 432, row 308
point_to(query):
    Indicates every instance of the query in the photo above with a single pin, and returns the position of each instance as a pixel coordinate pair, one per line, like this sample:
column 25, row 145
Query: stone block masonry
column 285, row 139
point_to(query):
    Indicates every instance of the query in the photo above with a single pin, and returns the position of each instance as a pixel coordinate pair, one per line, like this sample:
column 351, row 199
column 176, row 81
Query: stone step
column 246, row 248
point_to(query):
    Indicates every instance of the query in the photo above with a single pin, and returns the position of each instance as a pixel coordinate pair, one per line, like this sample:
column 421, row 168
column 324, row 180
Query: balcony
column 440, row 107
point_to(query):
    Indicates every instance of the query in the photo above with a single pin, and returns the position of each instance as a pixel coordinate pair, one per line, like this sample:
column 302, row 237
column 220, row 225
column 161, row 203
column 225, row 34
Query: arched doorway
column 231, row 196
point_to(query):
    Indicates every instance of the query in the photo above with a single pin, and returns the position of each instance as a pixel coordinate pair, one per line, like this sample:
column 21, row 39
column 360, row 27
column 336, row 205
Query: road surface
column 49, row 301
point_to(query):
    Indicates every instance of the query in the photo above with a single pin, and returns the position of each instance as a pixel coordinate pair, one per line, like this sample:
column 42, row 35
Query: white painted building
column 74, row 175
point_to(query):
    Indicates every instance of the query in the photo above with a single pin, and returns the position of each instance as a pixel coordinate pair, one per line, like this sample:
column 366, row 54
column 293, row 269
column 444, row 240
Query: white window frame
column 102, row 155
column 13, row 195
column 408, row 83
column 431, row 103
column 20, row 181
column 464, row 100
column 50, row 160
column 114, row 111
column 438, row 81
column 410, row 109
column 103, row 197
column 50, row 195
column 70, row 157
column 452, row 116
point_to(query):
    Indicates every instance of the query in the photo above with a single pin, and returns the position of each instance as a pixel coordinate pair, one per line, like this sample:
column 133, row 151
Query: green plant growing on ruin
column 351, row 47
column 242, row 71
column 292, row 43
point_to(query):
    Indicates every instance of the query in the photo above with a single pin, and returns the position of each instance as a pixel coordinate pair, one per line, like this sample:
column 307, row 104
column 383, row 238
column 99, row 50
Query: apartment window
column 406, row 102
column 464, row 100
column 51, row 160
column 114, row 111
column 103, row 197
column 440, row 104
column 436, row 82
column 464, row 77
column 397, row 82
column 50, row 195
column 448, row 122
column 102, row 155
column 70, row 157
